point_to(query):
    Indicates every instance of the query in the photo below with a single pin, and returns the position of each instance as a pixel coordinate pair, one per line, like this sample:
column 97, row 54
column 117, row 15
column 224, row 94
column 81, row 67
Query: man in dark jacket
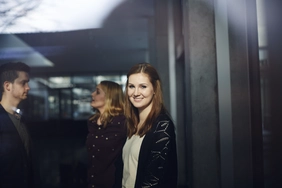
column 15, row 154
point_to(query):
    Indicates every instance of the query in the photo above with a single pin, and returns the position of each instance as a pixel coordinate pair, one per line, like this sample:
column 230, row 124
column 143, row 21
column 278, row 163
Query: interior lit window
column 65, row 97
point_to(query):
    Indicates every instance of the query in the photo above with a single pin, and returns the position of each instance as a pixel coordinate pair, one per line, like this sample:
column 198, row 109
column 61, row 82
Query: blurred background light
column 28, row 16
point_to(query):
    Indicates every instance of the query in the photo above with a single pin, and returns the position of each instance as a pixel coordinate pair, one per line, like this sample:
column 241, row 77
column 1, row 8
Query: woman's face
column 98, row 99
column 140, row 91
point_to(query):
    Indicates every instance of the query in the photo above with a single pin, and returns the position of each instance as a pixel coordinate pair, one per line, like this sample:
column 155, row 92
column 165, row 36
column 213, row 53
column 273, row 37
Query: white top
column 130, row 155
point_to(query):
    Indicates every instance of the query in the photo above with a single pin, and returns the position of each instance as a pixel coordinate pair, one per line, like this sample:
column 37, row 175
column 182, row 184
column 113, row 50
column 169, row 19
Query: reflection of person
column 107, row 134
column 15, row 144
column 149, row 154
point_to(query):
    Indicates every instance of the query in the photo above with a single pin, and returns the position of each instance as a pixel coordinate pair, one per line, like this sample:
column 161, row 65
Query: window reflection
column 64, row 97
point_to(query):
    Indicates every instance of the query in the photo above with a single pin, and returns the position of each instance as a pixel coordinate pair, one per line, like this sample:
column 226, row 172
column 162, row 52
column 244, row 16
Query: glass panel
column 118, row 79
column 59, row 82
column 54, row 105
column 39, row 104
column 264, row 82
column 66, row 103
column 264, row 66
column 81, row 103
column 65, row 97
column 36, row 105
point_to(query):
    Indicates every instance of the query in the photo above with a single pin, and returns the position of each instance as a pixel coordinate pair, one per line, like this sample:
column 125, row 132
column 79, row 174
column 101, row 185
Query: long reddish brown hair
column 131, row 112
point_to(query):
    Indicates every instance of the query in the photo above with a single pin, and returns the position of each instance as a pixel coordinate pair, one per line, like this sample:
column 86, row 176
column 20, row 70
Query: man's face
column 20, row 87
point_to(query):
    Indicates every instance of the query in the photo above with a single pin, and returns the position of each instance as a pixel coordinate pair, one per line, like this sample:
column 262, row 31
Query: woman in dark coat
column 107, row 134
column 149, row 154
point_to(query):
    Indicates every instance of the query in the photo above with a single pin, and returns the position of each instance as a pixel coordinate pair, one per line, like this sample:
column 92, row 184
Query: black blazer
column 15, row 166
column 157, row 163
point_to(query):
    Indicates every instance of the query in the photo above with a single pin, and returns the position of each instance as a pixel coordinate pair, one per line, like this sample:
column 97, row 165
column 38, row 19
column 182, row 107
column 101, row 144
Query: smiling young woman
column 149, row 154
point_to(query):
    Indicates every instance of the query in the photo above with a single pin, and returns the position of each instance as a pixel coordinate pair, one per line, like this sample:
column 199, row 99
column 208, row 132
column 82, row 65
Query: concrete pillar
column 201, row 93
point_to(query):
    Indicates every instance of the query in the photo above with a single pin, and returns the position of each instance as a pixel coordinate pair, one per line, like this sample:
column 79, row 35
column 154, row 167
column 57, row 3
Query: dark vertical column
column 201, row 93
column 245, row 91
column 223, row 56
column 180, row 94
column 255, row 95
column 161, row 46
column 274, row 28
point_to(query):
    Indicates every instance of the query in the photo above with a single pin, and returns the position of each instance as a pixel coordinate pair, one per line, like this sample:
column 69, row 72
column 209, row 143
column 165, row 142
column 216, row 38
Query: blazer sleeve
column 162, row 156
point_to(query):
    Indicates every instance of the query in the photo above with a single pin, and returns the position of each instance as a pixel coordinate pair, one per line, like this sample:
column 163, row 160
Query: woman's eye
column 144, row 87
column 131, row 86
